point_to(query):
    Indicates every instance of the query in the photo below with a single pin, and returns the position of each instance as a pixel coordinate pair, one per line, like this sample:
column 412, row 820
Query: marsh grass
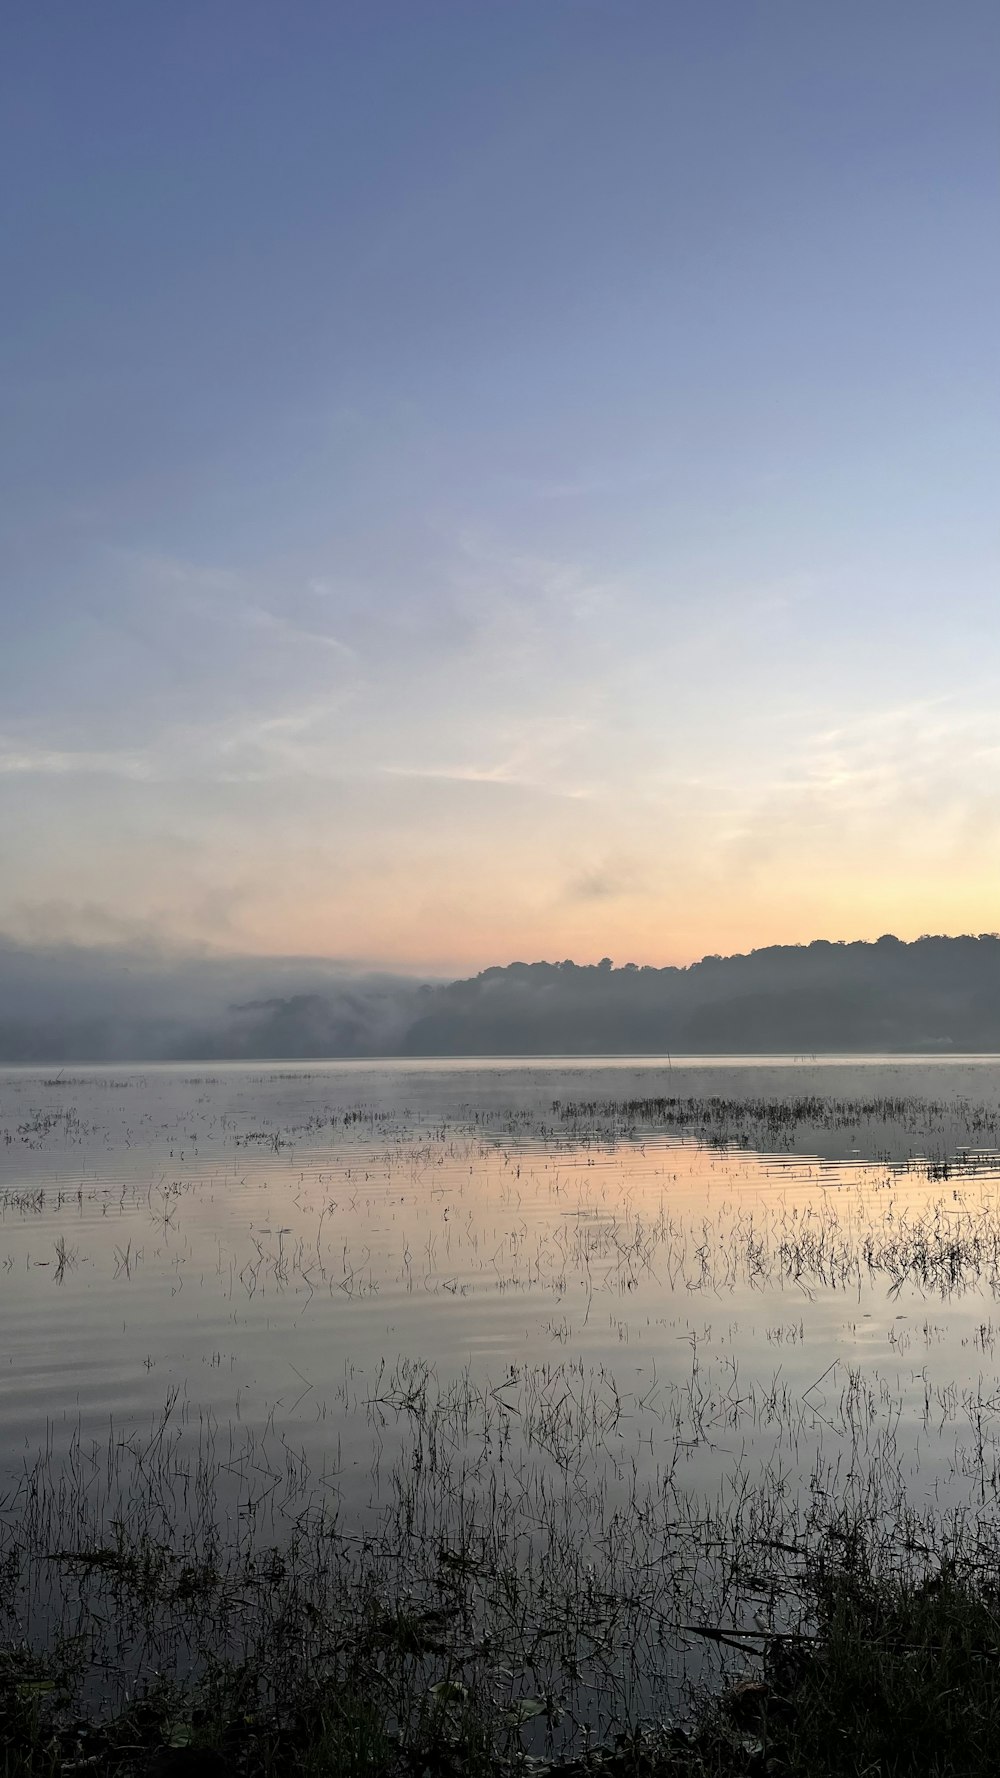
column 893, row 1668
column 946, row 1137
column 179, row 1603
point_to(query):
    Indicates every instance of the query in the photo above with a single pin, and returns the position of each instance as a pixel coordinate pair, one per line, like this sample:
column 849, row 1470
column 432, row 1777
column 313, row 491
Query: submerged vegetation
column 193, row 1610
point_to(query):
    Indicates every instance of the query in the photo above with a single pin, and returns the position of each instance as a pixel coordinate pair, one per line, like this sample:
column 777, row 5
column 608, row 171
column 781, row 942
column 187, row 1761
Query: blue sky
column 500, row 479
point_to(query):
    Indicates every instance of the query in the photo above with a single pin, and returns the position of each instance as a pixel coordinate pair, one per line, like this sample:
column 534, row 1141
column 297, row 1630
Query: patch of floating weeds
column 778, row 1123
column 41, row 1124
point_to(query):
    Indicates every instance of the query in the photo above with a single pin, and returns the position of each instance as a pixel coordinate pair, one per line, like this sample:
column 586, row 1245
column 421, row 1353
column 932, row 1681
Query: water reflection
column 597, row 1300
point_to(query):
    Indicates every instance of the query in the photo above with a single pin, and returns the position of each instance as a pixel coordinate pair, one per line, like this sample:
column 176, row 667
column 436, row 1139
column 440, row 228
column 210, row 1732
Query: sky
column 499, row 479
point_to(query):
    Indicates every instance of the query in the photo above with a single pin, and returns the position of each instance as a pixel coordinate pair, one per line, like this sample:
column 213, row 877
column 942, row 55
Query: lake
column 600, row 1323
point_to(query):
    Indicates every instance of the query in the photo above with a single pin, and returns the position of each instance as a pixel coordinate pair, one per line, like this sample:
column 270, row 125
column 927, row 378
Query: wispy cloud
column 473, row 774
column 596, row 885
column 166, row 571
column 19, row 759
column 530, row 588
column 918, row 775
column 259, row 617
column 213, row 591
column 456, row 774
column 540, row 756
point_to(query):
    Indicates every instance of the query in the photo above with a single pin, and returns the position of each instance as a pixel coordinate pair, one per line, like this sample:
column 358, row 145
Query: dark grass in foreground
column 897, row 1674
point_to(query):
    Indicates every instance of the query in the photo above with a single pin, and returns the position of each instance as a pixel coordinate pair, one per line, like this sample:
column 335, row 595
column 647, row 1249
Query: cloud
column 457, row 774
column 261, row 618
column 594, row 886
column 124, row 997
column 606, row 881
column 918, row 777
column 528, row 594
column 538, row 756
column 21, row 759
column 176, row 571
column 83, row 928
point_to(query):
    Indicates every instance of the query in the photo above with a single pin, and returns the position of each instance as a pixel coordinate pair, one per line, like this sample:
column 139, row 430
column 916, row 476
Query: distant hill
column 936, row 993
column 74, row 1005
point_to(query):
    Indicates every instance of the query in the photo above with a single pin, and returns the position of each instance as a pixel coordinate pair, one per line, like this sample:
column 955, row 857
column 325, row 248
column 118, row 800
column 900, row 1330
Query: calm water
column 491, row 1335
column 224, row 1240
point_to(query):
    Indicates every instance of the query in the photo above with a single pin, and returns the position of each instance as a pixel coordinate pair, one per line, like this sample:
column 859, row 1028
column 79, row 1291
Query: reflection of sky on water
column 228, row 1236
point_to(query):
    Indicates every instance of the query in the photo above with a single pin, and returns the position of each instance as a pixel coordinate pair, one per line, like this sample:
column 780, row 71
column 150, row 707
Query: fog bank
column 77, row 1004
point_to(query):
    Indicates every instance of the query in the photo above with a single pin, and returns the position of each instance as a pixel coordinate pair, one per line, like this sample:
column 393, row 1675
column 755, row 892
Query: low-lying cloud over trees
column 103, row 1005
column 90, row 1005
